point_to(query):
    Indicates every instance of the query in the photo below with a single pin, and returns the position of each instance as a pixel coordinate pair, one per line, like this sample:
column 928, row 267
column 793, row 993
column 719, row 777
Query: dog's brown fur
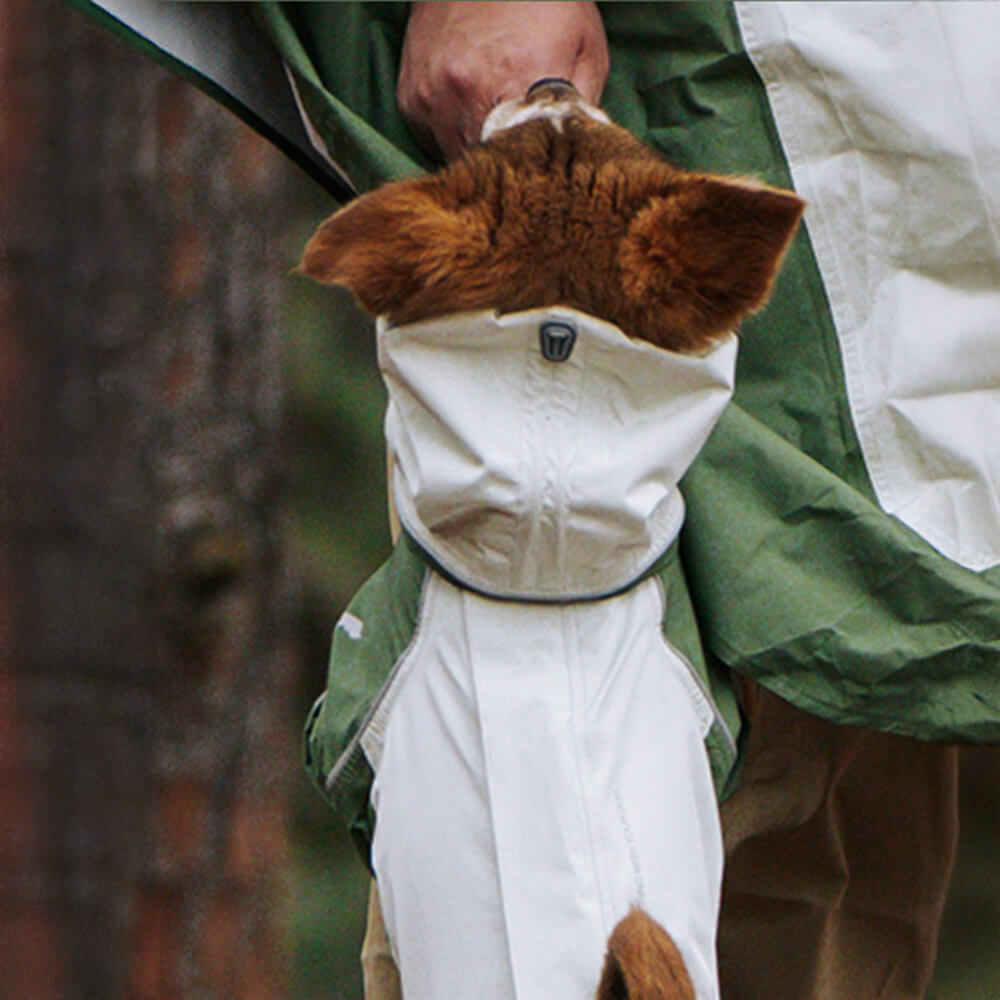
column 643, row 963
column 586, row 217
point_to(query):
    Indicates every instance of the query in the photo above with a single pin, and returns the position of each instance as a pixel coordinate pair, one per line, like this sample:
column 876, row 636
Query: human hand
column 460, row 59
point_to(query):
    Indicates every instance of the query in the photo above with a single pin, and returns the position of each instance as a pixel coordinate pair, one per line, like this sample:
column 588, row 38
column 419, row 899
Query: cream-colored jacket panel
column 535, row 478
column 888, row 116
column 543, row 767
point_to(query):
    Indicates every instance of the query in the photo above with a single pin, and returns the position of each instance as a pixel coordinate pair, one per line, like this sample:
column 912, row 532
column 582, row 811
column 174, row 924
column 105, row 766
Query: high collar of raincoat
column 530, row 478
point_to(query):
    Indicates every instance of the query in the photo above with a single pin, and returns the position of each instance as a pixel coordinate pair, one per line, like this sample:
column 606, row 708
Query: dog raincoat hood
column 527, row 474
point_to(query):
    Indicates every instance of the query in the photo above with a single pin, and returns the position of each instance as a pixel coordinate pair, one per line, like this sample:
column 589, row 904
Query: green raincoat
column 798, row 575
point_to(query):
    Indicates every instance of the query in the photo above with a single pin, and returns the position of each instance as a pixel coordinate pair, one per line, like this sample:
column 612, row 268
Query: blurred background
column 193, row 486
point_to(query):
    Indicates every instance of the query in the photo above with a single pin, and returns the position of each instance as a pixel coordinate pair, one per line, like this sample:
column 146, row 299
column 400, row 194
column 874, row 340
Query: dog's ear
column 389, row 247
column 704, row 251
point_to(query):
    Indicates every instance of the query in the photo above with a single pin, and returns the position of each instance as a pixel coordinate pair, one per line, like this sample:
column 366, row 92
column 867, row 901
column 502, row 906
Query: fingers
column 592, row 62
column 459, row 60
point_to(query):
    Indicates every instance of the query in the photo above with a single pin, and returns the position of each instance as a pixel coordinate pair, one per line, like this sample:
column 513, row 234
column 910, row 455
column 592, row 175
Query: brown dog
column 581, row 214
column 562, row 208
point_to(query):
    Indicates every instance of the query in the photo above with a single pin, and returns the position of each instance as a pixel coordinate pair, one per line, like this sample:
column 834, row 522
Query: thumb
column 590, row 72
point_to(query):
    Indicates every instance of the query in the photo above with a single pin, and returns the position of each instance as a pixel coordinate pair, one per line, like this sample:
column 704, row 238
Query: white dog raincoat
column 503, row 699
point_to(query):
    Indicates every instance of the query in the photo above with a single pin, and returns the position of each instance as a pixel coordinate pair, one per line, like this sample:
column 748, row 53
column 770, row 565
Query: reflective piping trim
column 695, row 677
column 350, row 751
column 649, row 566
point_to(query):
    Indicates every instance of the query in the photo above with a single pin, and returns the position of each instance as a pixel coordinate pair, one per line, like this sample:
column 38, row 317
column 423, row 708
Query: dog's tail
column 643, row 963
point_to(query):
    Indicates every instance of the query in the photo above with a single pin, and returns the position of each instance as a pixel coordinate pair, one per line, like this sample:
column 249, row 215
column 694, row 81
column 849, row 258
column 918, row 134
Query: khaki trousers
column 840, row 844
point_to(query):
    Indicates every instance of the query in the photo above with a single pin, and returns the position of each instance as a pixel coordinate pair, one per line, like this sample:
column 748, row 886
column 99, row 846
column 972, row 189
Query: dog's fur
column 643, row 962
column 581, row 215
column 570, row 210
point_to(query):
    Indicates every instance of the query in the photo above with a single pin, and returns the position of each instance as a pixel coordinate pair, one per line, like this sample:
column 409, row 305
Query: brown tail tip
column 643, row 963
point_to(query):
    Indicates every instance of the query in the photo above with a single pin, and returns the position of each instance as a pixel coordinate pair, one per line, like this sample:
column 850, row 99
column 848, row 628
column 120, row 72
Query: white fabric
column 888, row 116
column 525, row 477
column 540, row 768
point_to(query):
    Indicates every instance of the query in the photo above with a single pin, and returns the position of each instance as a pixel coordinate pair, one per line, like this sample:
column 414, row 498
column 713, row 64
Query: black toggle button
column 557, row 340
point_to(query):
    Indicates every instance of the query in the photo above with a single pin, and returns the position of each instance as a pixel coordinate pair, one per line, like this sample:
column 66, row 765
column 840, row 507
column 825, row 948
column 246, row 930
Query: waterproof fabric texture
column 902, row 178
column 444, row 444
column 540, row 479
column 373, row 636
column 541, row 766
column 542, row 761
